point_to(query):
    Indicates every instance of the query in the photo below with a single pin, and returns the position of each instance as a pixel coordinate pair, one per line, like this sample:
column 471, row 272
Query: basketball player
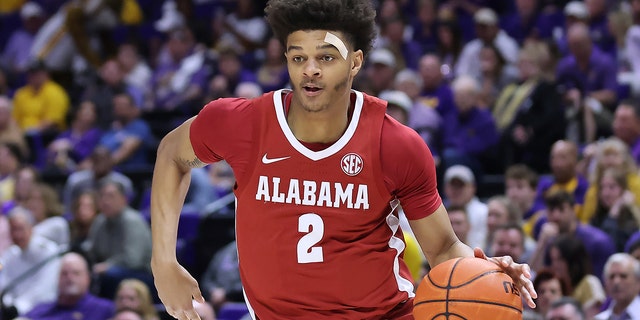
column 320, row 169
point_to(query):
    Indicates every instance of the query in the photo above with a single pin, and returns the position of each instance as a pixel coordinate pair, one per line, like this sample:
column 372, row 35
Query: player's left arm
column 414, row 180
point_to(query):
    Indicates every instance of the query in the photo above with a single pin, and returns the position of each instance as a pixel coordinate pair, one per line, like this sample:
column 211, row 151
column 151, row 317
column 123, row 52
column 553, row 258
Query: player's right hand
column 176, row 289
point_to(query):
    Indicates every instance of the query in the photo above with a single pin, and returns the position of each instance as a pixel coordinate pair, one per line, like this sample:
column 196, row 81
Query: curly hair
column 354, row 18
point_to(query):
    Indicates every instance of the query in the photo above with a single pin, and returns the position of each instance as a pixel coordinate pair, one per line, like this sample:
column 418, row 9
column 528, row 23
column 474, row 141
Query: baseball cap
column 459, row 172
column 397, row 98
column 576, row 9
column 486, row 16
column 31, row 9
column 383, row 56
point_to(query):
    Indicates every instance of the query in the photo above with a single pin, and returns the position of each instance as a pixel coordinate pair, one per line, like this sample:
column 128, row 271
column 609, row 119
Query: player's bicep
column 176, row 145
column 434, row 233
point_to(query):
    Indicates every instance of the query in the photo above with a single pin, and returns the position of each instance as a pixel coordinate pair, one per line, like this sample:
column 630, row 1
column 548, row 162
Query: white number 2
column 314, row 226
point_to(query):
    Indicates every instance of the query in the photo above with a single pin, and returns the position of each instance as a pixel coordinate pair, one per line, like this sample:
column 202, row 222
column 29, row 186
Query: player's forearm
column 457, row 249
column 168, row 191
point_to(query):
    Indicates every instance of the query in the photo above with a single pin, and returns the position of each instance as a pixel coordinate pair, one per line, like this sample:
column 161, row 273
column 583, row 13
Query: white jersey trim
column 334, row 148
column 393, row 222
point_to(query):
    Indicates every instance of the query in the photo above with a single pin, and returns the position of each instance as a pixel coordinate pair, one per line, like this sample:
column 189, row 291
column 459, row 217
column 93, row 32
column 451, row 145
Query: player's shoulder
column 233, row 103
column 401, row 140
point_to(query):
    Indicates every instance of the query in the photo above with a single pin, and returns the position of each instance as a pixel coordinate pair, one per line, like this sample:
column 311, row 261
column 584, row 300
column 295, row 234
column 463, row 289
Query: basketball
column 467, row 288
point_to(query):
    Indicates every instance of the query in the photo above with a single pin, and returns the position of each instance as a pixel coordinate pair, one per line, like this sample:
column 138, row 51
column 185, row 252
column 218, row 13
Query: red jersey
column 317, row 233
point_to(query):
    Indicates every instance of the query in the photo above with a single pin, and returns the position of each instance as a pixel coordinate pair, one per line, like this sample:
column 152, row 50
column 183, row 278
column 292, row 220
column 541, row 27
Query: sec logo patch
column 351, row 164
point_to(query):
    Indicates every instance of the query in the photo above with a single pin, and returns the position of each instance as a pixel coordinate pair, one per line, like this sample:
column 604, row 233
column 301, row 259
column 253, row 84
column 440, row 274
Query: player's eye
column 327, row 58
column 297, row 59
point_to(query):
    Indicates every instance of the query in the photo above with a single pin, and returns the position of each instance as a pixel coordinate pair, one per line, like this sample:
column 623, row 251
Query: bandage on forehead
column 336, row 42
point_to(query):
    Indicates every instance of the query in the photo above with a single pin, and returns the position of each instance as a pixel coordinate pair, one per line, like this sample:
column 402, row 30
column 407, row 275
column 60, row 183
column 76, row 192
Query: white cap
column 576, row 9
column 459, row 172
column 486, row 16
column 397, row 98
column 31, row 9
column 171, row 18
column 383, row 56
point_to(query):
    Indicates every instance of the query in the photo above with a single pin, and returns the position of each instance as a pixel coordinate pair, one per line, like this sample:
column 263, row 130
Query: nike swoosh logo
column 266, row 160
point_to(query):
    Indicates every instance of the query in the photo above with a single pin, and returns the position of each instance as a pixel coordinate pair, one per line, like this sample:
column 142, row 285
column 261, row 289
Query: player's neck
column 319, row 127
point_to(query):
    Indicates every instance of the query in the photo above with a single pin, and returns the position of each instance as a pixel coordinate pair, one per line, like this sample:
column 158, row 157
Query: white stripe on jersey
column 396, row 243
column 333, row 149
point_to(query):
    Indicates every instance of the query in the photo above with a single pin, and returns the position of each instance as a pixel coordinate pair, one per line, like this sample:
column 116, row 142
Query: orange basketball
column 467, row 288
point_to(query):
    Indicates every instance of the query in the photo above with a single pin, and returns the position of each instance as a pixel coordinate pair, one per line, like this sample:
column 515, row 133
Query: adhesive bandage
column 336, row 42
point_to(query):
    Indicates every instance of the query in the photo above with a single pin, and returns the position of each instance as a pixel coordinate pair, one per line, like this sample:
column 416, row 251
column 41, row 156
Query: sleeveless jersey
column 317, row 234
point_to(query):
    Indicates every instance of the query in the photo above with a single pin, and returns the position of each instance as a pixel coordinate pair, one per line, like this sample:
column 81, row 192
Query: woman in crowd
column 134, row 295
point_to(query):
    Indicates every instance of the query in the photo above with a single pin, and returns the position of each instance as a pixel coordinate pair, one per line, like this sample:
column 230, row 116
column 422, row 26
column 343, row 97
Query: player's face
column 320, row 75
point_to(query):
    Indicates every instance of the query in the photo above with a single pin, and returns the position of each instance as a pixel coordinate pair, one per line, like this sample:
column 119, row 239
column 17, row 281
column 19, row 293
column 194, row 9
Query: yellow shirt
column 9, row 6
column 31, row 107
column 413, row 257
column 591, row 197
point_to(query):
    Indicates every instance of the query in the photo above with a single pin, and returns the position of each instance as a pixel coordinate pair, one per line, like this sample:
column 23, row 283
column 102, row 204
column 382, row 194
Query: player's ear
column 356, row 62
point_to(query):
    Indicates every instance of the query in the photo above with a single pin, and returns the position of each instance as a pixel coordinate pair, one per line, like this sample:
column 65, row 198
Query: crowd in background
column 530, row 108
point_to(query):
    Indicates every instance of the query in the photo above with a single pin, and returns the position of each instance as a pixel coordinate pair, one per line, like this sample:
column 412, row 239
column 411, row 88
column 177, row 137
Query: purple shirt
column 471, row 133
column 598, row 244
column 547, row 183
column 16, row 52
column 82, row 145
column 89, row 307
column 635, row 151
column 600, row 74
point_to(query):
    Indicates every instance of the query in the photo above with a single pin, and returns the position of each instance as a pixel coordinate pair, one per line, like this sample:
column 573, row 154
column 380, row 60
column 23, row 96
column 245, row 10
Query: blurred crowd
column 537, row 97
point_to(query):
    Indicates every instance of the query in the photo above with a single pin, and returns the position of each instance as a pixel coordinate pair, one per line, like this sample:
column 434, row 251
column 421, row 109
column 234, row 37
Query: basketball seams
column 468, row 301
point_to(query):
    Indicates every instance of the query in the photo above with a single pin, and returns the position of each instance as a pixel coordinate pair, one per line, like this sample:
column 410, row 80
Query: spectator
column 398, row 105
column 392, row 37
column 460, row 191
column 616, row 213
column 84, row 210
column 15, row 56
column 45, row 205
column 626, row 126
column 488, row 32
column 562, row 220
column 102, row 92
column 520, row 183
column 501, row 212
column 248, row 90
column 381, row 70
column 244, row 29
column 126, row 314
column 632, row 47
column 101, row 168
column 424, row 25
column 632, row 246
column 119, row 240
column 272, row 73
column 72, row 147
column 180, row 79
column 130, row 137
column 28, row 265
column 550, row 288
column 133, row 294
column 568, row 256
column 471, row 132
column 10, row 161
column 449, row 46
column 565, row 308
column 622, row 280
column 611, row 153
column 231, row 73
column 509, row 240
column 221, row 281
column 495, row 74
column 26, row 179
column 74, row 300
column 135, row 69
column 599, row 26
column 435, row 92
column 423, row 118
column 10, row 132
column 589, row 69
column 459, row 218
column 40, row 107
column 526, row 22
column 529, row 113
